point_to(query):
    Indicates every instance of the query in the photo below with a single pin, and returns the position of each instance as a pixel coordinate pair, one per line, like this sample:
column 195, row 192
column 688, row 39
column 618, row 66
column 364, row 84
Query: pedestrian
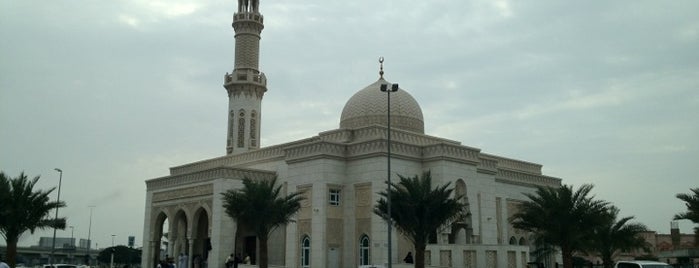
column 2, row 263
column 236, row 260
column 229, row 261
column 408, row 258
column 247, row 259
column 196, row 261
column 182, row 260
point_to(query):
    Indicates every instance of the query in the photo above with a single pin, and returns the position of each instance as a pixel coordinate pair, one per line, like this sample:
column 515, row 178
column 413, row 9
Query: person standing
column 196, row 261
column 229, row 261
column 408, row 258
column 182, row 261
column 3, row 264
column 236, row 260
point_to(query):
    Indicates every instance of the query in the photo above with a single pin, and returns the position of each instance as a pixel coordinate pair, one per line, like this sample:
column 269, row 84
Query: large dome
column 368, row 107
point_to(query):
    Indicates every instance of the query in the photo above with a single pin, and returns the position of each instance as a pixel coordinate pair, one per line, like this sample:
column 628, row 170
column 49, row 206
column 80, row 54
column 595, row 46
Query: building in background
column 673, row 248
column 339, row 172
column 61, row 242
column 66, row 252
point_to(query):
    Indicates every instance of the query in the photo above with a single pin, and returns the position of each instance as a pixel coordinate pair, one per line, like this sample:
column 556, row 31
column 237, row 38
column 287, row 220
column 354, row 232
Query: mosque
column 340, row 173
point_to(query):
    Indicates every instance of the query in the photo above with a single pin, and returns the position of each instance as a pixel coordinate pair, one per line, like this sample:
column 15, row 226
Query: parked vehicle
column 60, row 266
column 641, row 264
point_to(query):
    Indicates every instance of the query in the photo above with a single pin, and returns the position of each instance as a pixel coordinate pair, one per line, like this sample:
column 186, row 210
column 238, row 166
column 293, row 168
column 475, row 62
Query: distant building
column 673, row 248
column 84, row 243
column 61, row 242
column 339, row 172
column 65, row 252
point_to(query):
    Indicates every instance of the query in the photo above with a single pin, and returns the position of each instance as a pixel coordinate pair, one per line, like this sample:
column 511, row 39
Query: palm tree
column 418, row 210
column 260, row 206
column 23, row 209
column 614, row 236
column 561, row 217
column 692, row 213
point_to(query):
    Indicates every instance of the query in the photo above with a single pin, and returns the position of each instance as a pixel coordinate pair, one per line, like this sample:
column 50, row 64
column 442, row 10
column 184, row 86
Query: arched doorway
column 201, row 242
column 159, row 241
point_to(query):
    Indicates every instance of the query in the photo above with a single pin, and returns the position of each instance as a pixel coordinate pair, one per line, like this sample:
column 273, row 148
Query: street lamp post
column 111, row 262
column 89, row 229
column 72, row 244
column 384, row 88
column 58, row 200
column 72, row 228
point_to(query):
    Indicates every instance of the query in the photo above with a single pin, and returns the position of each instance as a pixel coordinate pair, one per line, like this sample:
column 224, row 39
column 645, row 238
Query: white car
column 60, row 266
column 641, row 264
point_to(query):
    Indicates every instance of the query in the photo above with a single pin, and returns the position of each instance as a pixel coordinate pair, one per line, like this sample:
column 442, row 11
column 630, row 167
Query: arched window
column 306, row 252
column 462, row 229
column 513, row 241
column 364, row 250
column 253, row 129
column 231, row 128
column 241, row 128
column 460, row 188
column 522, row 241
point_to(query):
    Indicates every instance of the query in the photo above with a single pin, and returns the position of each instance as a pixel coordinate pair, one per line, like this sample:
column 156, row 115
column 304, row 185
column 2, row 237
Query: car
column 60, row 266
column 641, row 264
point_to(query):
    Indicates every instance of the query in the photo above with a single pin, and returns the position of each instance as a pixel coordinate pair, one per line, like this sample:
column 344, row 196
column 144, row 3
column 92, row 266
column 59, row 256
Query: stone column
column 171, row 240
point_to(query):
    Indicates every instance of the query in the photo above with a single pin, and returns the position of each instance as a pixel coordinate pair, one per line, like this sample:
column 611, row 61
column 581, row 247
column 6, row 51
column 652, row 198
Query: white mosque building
column 340, row 173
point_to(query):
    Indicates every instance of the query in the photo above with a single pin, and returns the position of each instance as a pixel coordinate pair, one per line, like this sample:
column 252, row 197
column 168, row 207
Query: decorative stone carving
column 512, row 208
column 512, row 164
column 304, row 227
column 511, row 259
column 491, row 259
column 470, row 259
column 305, row 192
column 207, row 175
column 334, row 231
column 526, row 179
column 363, row 193
column 445, row 258
column 370, row 106
column 201, row 190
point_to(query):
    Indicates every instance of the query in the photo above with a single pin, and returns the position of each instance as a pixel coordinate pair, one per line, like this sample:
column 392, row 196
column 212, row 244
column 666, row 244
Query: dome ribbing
column 368, row 107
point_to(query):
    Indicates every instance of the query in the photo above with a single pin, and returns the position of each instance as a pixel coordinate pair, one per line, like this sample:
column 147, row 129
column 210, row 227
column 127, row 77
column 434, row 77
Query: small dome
column 368, row 107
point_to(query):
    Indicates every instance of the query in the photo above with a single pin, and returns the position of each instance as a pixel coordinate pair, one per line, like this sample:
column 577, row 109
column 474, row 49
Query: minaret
column 246, row 84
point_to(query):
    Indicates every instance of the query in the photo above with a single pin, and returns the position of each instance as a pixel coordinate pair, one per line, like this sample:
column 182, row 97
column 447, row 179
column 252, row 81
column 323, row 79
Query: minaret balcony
column 249, row 16
column 245, row 76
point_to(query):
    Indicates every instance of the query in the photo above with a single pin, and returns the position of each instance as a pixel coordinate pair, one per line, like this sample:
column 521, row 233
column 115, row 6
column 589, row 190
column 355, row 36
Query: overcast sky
column 116, row 92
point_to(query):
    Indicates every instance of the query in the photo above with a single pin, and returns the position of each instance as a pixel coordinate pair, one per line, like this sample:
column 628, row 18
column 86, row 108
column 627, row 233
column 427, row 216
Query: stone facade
column 340, row 173
column 351, row 163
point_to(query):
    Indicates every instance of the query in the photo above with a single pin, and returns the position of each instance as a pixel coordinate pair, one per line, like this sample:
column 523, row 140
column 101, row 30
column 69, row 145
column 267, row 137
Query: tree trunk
column 607, row 261
column 11, row 251
column 263, row 260
column 420, row 255
column 567, row 256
